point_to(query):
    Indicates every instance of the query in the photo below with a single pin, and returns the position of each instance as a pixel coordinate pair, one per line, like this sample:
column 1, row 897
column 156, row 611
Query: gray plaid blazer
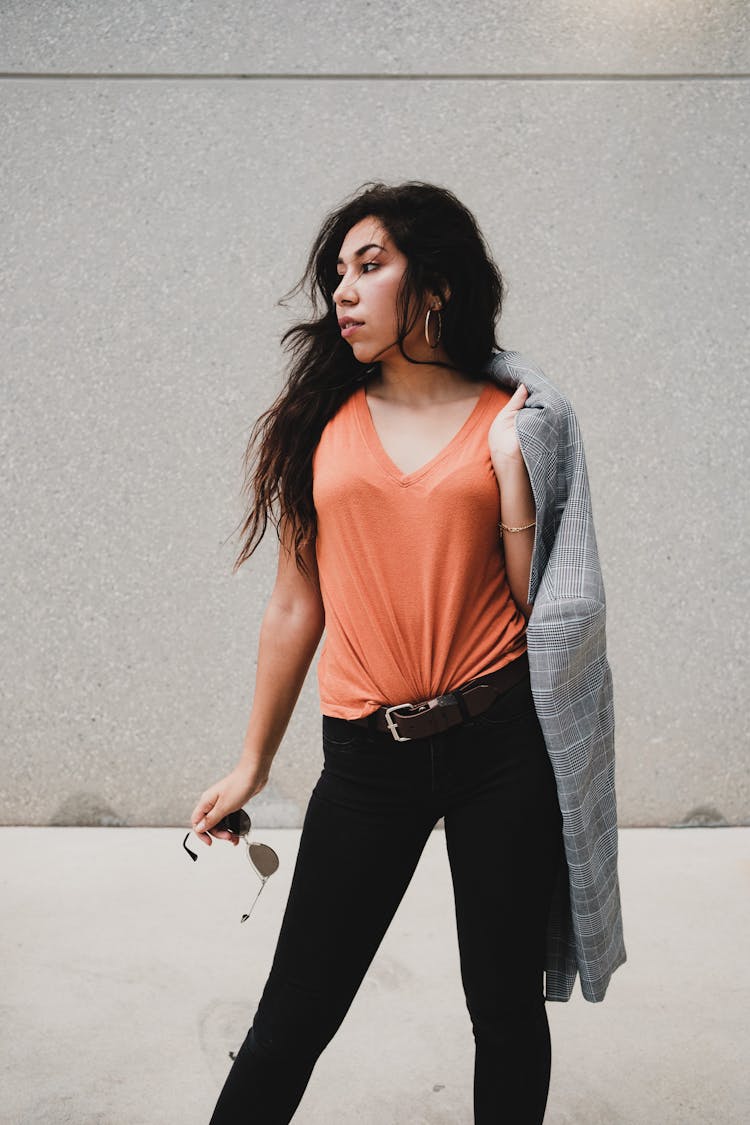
column 571, row 683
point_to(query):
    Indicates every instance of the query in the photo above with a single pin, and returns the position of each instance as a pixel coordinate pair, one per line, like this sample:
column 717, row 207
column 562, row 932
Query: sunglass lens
column 237, row 822
column 264, row 859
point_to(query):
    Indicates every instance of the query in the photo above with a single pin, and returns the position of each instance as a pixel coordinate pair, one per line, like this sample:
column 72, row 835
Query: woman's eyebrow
column 362, row 250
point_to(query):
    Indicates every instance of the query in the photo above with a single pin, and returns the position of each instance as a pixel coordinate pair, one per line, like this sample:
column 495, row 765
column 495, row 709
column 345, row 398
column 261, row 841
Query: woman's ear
column 442, row 295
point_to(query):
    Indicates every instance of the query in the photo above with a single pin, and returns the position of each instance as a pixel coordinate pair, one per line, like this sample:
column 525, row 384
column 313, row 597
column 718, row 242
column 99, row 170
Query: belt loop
column 372, row 723
column 458, row 696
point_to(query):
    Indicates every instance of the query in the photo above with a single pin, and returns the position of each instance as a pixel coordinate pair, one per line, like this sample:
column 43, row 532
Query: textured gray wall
column 165, row 166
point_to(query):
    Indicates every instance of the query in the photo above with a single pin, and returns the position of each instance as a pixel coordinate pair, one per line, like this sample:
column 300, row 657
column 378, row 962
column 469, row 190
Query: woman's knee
column 518, row 1004
column 294, row 1020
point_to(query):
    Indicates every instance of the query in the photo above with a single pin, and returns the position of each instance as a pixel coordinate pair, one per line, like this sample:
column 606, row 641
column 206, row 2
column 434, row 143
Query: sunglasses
column 264, row 859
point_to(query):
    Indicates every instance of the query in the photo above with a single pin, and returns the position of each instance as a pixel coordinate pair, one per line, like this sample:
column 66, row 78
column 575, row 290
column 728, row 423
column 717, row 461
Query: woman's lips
column 349, row 329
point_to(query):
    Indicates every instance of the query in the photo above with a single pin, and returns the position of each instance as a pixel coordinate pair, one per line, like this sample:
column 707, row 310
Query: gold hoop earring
column 427, row 328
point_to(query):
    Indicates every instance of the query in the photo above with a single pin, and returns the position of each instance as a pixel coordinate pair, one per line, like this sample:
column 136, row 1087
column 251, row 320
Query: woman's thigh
column 504, row 841
column 359, row 847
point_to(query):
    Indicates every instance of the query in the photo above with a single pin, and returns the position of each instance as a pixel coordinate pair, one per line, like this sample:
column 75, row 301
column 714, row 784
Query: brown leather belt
column 420, row 720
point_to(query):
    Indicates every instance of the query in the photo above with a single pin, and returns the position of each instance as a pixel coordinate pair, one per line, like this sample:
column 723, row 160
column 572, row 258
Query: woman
column 427, row 501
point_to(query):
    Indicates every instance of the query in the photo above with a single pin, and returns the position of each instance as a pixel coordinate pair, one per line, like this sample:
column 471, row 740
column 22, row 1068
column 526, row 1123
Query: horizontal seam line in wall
column 436, row 77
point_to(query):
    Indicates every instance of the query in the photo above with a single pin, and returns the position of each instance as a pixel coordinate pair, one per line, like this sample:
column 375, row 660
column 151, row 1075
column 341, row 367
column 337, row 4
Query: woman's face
column 370, row 269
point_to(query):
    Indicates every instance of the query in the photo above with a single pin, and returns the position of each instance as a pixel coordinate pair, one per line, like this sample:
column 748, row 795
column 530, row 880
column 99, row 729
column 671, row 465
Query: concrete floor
column 128, row 979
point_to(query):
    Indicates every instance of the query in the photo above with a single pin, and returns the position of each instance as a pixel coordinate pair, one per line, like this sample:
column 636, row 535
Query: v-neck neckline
column 371, row 436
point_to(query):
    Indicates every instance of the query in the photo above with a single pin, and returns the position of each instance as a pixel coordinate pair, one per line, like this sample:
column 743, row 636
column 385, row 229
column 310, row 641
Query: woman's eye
column 340, row 276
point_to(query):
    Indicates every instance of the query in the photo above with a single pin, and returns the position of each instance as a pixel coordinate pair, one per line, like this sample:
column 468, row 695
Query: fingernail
column 200, row 827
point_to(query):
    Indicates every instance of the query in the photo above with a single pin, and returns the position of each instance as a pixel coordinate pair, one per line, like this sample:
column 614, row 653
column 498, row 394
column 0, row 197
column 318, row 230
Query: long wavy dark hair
column 442, row 243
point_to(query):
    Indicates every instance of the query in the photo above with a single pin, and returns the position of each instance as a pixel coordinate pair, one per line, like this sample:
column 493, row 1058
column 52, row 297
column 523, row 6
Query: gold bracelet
column 503, row 527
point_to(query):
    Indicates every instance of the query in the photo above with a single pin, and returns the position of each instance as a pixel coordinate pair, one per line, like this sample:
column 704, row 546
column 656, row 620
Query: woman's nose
column 344, row 291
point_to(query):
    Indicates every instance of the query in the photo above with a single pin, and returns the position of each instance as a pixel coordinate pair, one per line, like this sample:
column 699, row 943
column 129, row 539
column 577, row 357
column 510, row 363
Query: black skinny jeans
column 369, row 817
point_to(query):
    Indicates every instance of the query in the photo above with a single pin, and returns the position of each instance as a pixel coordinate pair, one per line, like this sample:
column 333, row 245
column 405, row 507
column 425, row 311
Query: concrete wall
column 164, row 169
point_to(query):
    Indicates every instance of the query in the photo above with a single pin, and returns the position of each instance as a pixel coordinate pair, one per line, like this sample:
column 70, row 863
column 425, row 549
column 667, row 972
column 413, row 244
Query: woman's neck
column 416, row 384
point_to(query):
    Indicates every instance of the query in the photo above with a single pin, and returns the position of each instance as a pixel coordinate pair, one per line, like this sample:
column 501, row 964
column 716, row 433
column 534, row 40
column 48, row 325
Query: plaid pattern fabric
column 572, row 685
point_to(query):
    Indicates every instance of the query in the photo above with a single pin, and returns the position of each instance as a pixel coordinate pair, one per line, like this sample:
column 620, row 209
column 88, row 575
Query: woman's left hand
column 502, row 437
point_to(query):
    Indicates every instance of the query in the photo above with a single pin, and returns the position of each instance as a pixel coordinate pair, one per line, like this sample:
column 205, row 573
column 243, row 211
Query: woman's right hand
column 227, row 796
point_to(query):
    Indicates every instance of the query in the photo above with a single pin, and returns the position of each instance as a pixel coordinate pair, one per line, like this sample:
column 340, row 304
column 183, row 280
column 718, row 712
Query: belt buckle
column 419, row 707
column 392, row 726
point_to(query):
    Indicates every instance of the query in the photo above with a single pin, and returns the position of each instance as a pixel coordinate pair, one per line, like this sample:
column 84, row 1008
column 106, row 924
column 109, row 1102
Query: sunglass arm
column 245, row 917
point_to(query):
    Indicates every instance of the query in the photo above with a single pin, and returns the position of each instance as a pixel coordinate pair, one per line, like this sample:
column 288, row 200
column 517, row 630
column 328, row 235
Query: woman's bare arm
column 517, row 508
column 290, row 632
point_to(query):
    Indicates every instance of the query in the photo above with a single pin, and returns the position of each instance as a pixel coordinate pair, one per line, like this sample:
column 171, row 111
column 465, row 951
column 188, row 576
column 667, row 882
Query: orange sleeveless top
column 412, row 573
